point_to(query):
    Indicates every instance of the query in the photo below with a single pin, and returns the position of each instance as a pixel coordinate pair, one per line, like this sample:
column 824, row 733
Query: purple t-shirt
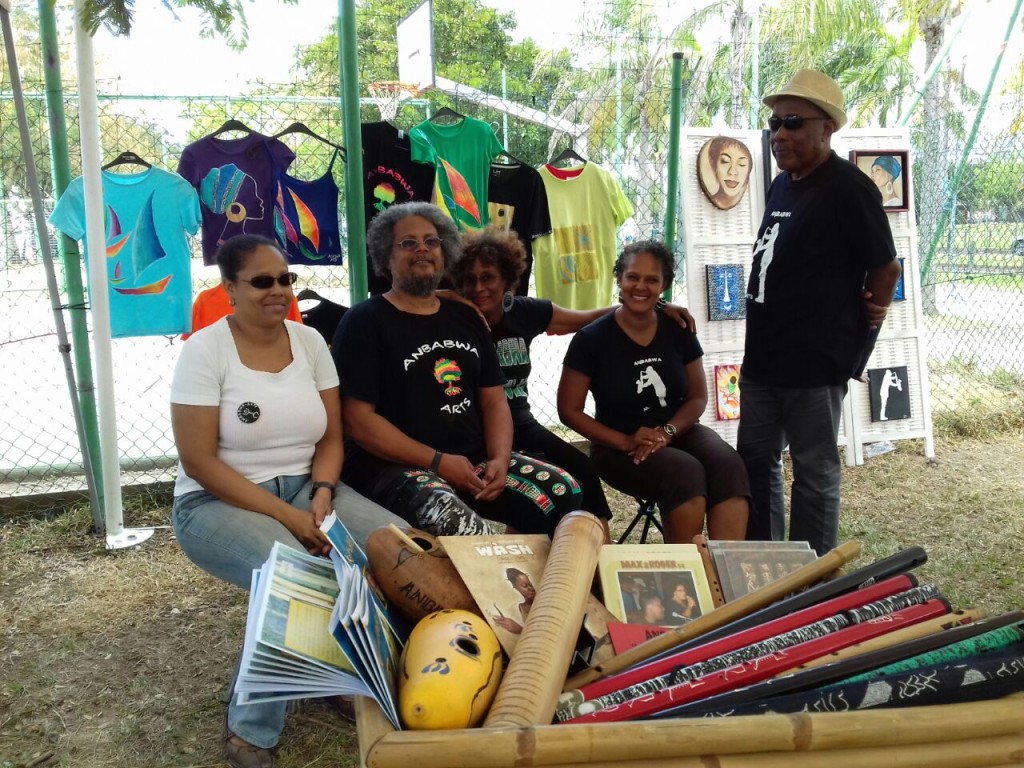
column 234, row 179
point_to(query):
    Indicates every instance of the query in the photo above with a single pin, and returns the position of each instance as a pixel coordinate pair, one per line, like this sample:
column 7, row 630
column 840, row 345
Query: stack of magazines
column 316, row 628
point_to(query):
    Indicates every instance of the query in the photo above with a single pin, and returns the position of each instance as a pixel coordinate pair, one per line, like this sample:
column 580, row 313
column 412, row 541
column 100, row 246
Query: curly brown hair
column 492, row 247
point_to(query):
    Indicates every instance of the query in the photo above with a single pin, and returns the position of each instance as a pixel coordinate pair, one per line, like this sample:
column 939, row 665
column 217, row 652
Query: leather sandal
column 245, row 755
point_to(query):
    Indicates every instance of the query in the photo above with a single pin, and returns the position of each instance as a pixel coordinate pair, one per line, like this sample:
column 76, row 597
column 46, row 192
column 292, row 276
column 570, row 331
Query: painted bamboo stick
column 752, row 601
column 904, row 635
column 670, row 739
column 669, row 663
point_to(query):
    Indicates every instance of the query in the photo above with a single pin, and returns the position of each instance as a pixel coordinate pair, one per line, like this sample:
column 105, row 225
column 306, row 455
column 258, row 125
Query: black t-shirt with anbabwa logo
column 423, row 373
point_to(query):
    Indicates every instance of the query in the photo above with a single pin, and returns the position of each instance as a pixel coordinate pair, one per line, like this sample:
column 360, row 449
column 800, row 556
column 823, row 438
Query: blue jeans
column 229, row 542
column 808, row 420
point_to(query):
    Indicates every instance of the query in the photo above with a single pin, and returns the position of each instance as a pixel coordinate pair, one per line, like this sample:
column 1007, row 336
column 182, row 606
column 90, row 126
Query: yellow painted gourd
column 451, row 667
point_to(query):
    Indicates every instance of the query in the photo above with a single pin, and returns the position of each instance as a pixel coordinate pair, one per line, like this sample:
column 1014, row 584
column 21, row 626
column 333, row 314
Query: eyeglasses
column 262, row 282
column 790, row 122
column 411, row 243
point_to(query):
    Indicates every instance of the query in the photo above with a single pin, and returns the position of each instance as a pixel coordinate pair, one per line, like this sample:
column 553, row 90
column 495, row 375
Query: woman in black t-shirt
column 647, row 377
column 492, row 263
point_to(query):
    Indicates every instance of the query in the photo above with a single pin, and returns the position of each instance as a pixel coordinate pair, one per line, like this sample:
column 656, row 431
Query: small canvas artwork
column 900, row 294
column 727, row 392
column 890, row 394
column 727, row 297
column 890, row 172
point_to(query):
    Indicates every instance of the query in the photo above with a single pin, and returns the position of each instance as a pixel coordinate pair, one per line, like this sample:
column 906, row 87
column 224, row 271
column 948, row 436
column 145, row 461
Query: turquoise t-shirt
column 147, row 217
column 462, row 155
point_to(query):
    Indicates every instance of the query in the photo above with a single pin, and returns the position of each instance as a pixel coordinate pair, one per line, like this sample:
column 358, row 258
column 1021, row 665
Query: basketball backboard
column 415, row 35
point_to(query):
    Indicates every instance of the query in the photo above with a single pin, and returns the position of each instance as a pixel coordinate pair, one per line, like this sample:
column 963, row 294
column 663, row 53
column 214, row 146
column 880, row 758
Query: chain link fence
column 971, row 243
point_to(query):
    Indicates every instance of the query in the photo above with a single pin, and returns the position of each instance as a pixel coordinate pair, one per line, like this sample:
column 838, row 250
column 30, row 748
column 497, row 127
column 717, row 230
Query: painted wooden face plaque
column 723, row 170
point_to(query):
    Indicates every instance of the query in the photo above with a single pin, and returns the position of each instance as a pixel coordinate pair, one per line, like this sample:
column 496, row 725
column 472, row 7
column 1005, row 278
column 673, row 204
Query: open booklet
column 316, row 628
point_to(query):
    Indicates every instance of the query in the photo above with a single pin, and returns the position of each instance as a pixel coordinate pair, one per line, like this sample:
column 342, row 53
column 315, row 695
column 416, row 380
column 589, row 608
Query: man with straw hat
column 823, row 275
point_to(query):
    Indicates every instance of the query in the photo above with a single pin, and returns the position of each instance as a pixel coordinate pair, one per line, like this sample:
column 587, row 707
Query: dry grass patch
column 121, row 659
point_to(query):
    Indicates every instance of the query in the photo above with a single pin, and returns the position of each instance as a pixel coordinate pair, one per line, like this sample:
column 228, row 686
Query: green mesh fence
column 973, row 287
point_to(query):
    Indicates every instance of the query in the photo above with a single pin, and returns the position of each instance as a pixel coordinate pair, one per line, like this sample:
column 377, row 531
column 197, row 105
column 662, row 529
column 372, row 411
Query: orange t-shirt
column 213, row 304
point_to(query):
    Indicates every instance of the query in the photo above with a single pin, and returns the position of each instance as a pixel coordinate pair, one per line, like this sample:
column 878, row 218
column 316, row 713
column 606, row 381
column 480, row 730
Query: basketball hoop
column 389, row 94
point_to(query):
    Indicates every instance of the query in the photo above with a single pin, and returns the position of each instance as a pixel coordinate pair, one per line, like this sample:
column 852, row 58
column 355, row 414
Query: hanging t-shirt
column 234, row 178
column 461, row 154
column 517, row 200
column 422, row 372
column 324, row 316
column 390, row 177
column 573, row 265
column 147, row 217
column 306, row 217
column 214, row 303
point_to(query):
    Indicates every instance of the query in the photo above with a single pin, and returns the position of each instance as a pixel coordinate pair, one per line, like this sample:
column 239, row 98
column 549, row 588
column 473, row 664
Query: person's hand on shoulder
column 450, row 295
column 681, row 315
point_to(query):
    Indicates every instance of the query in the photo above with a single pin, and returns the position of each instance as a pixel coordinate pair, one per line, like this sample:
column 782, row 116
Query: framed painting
column 890, row 171
column 727, row 292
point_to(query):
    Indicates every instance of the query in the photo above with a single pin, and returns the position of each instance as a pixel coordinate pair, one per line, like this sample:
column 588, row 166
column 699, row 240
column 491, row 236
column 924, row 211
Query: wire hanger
column 127, row 158
column 447, row 113
column 232, row 125
column 308, row 294
column 303, row 128
column 569, row 156
column 506, row 159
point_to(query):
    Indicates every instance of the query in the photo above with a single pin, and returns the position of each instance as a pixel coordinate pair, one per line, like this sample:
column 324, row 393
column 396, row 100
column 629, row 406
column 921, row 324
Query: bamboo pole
column 529, row 690
column 371, row 725
column 752, row 601
column 947, row 754
column 641, row 742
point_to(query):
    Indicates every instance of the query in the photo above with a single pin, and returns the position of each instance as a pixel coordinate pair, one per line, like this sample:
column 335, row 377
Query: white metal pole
column 95, row 241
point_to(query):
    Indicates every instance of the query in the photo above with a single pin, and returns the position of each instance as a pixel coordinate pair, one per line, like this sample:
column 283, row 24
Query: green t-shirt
column 462, row 155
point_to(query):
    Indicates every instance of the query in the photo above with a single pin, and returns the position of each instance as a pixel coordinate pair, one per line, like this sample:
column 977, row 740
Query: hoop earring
column 506, row 301
column 231, row 300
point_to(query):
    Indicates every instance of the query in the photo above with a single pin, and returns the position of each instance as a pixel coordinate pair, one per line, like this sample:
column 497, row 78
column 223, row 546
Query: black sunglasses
column 262, row 282
column 790, row 122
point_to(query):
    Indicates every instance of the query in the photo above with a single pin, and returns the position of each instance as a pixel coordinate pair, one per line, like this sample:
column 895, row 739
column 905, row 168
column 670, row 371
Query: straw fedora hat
column 821, row 90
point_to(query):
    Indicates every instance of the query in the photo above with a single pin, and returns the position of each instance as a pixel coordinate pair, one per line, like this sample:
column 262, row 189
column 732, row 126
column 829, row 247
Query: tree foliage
column 220, row 18
column 472, row 46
